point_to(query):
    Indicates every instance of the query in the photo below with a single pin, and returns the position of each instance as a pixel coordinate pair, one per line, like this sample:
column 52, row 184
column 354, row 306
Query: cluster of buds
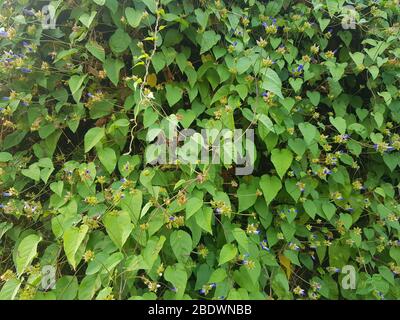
column 91, row 222
column 207, row 288
column 32, row 209
column 202, row 250
column 91, row 200
column 267, row 62
column 270, row 29
column 151, row 285
column 8, row 275
column 88, row 255
column 383, row 147
column 262, row 43
column 93, row 98
column 175, row 221
column 299, row 291
column 220, row 208
column 249, row 264
column 252, row 229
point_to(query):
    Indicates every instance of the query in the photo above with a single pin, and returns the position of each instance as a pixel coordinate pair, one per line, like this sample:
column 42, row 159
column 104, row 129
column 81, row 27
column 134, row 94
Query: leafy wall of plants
column 78, row 100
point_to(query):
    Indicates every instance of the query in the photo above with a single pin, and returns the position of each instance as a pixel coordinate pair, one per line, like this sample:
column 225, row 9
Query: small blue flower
column 213, row 285
column 26, row 70
column 28, row 12
column 300, row 68
column 264, row 245
column 3, row 34
column 1, row 206
column 123, row 180
column 171, row 218
column 235, row 44
column 264, row 24
column 5, row 98
column 389, row 148
column 202, row 291
column 265, row 94
column 6, row 194
column 25, row 43
column 87, row 171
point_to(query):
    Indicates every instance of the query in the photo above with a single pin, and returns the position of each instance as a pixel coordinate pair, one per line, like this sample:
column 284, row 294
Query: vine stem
column 147, row 66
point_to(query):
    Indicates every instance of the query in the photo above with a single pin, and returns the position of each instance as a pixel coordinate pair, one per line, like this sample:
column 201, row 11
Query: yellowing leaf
column 152, row 80
column 285, row 262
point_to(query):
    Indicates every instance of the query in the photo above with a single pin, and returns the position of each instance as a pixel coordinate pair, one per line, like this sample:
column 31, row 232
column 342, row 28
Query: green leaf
column 177, row 275
column 270, row 187
column 151, row 4
column 339, row 123
column 228, row 253
column 174, row 94
column 108, row 158
column 192, row 206
column 204, row 218
column 296, row 83
column 392, row 160
column 57, row 187
column 208, row 40
column 87, row 19
column 310, row 208
column 314, row 97
column 33, row 172
column 73, row 238
column 272, row 83
column 112, row 68
column 133, row 17
column 158, row 61
column 201, row 17
column 10, row 289
column 5, row 156
column 75, row 85
column 247, row 195
column 329, row 209
column 96, row 50
column 267, row 122
column 119, row 41
column 243, row 64
column 92, row 137
column 132, row 203
column 394, row 253
column 308, row 131
column 181, row 244
column 26, row 252
column 119, row 227
column 297, row 145
column 282, row 159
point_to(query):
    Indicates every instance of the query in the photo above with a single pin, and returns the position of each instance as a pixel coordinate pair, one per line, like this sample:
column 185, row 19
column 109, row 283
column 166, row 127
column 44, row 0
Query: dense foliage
column 80, row 97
